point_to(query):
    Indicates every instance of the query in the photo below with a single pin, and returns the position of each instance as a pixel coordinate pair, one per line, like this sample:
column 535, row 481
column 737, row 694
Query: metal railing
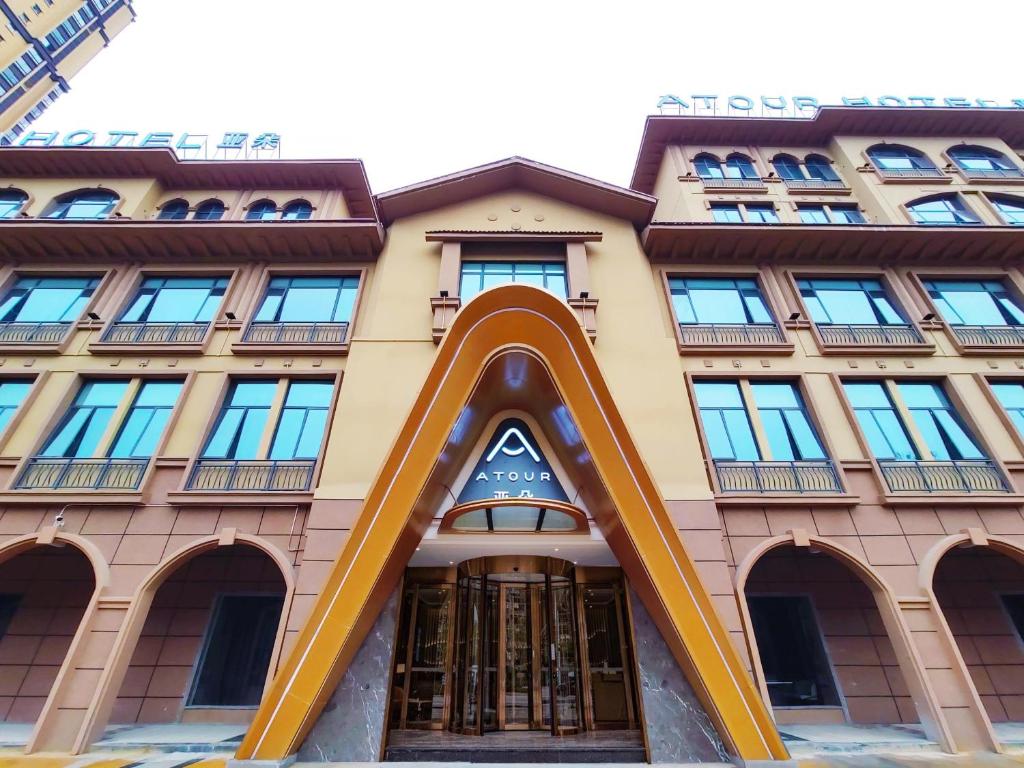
column 722, row 333
column 815, row 184
column 296, row 333
column 778, row 476
column 992, row 173
column 953, row 476
column 33, row 333
column 989, row 335
column 870, row 334
column 716, row 183
column 93, row 474
column 910, row 173
column 227, row 475
column 155, row 333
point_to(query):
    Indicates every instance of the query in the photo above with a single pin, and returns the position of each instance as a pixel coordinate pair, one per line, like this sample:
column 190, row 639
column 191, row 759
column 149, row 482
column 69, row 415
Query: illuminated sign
column 234, row 143
column 804, row 106
column 512, row 467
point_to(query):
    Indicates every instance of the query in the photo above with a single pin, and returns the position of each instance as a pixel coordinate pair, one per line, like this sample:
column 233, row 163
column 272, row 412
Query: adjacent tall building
column 728, row 464
column 43, row 45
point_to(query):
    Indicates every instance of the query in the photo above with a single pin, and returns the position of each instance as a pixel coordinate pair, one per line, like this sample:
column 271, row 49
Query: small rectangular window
column 478, row 276
column 726, row 214
column 726, row 423
column 882, row 426
column 176, row 300
column 313, row 299
column 762, row 213
column 1011, row 397
column 12, row 395
column 975, row 302
column 939, row 424
column 711, row 300
column 848, row 302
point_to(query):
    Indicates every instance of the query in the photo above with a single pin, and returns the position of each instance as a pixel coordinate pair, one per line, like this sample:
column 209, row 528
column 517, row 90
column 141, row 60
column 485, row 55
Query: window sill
column 246, row 348
column 239, row 498
column 815, row 191
column 746, row 499
column 102, row 348
column 980, row 350
column 968, row 178
column 55, row 348
column 777, row 349
column 877, row 349
column 35, row 496
column 953, row 499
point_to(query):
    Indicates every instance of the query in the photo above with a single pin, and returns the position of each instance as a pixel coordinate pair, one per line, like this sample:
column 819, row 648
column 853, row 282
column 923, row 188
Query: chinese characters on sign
column 234, row 145
column 805, row 106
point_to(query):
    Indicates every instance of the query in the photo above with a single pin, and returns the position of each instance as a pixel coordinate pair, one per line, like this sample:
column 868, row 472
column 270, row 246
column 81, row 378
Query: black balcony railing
column 875, row 335
column 724, row 334
column 778, row 476
column 715, row 183
column 815, row 184
column 960, row 476
column 978, row 174
column 155, row 333
column 296, row 333
column 989, row 335
column 910, row 173
column 227, row 475
column 33, row 333
column 48, row 473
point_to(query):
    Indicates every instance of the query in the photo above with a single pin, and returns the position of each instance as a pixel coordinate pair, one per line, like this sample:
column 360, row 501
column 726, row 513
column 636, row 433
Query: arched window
column 708, row 166
column 1011, row 209
column 173, row 210
column 788, row 168
column 739, row 166
column 84, row 204
column 942, row 210
column 209, row 210
column 11, row 203
column 262, row 210
column 820, row 167
column 297, row 209
column 982, row 162
column 896, row 160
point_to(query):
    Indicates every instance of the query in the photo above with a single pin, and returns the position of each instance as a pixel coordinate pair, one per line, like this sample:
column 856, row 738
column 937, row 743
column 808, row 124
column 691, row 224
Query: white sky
column 419, row 89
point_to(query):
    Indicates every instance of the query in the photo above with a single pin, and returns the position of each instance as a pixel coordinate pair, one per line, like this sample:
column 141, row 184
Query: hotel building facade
column 43, row 45
column 727, row 465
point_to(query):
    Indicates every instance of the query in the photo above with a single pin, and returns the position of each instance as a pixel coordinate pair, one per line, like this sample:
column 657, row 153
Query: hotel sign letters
column 798, row 105
column 512, row 467
column 231, row 140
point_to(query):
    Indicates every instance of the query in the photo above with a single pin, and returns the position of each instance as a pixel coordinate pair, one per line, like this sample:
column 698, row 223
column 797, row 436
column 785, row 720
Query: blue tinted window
column 762, row 213
column 939, row 425
column 975, row 302
column 896, row 158
column 300, row 430
column 478, row 276
column 813, row 214
column 1011, row 209
column 848, row 302
column 980, row 159
column 313, row 299
column 241, row 422
column 718, row 300
column 47, row 299
column 95, row 204
column 261, row 210
column 1011, row 396
column 726, row 425
column 146, row 419
column 12, row 394
column 947, row 210
column 846, row 214
column 210, row 210
column 708, row 167
column 173, row 210
column 176, row 300
column 787, row 167
column 740, row 167
column 881, row 425
column 11, row 203
column 819, row 167
column 299, row 209
column 79, row 432
column 725, row 213
column 786, row 424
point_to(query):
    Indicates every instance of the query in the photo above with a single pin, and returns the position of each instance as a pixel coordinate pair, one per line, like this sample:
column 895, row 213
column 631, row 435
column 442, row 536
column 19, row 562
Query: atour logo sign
column 512, row 467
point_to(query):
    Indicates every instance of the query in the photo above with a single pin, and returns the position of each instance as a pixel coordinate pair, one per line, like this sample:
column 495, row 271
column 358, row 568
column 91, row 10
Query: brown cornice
column 162, row 164
column 47, row 241
column 517, row 173
column 676, row 242
column 817, row 131
column 516, row 235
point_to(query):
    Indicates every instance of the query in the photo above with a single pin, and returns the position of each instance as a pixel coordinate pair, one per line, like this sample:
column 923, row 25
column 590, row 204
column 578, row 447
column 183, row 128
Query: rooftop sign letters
column 512, row 467
column 805, row 106
column 232, row 145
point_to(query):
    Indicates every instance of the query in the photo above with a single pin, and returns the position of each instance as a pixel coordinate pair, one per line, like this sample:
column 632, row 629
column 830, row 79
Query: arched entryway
column 829, row 647
column 206, row 645
column 44, row 593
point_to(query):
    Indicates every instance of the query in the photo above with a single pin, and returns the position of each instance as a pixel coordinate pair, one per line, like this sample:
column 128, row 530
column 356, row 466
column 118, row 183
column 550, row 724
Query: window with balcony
column 830, row 214
column 296, row 210
column 169, row 310
column 849, row 311
column 261, row 210
column 11, row 203
column 720, row 310
column 761, row 439
column 106, row 439
column 980, row 313
column 1011, row 209
column 744, row 213
column 893, row 161
column 737, row 171
column 12, row 395
column 816, row 172
column 942, row 211
column 983, row 163
column 1011, row 396
column 938, row 455
column 267, row 437
column 478, row 276
column 40, row 310
column 314, row 309
column 87, row 204
column 209, row 210
column 173, row 210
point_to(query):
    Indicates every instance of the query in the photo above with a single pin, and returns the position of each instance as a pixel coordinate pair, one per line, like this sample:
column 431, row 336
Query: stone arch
column 909, row 661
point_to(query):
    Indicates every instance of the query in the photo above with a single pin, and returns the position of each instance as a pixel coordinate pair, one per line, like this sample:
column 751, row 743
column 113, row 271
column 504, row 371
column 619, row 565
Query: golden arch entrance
column 516, row 643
